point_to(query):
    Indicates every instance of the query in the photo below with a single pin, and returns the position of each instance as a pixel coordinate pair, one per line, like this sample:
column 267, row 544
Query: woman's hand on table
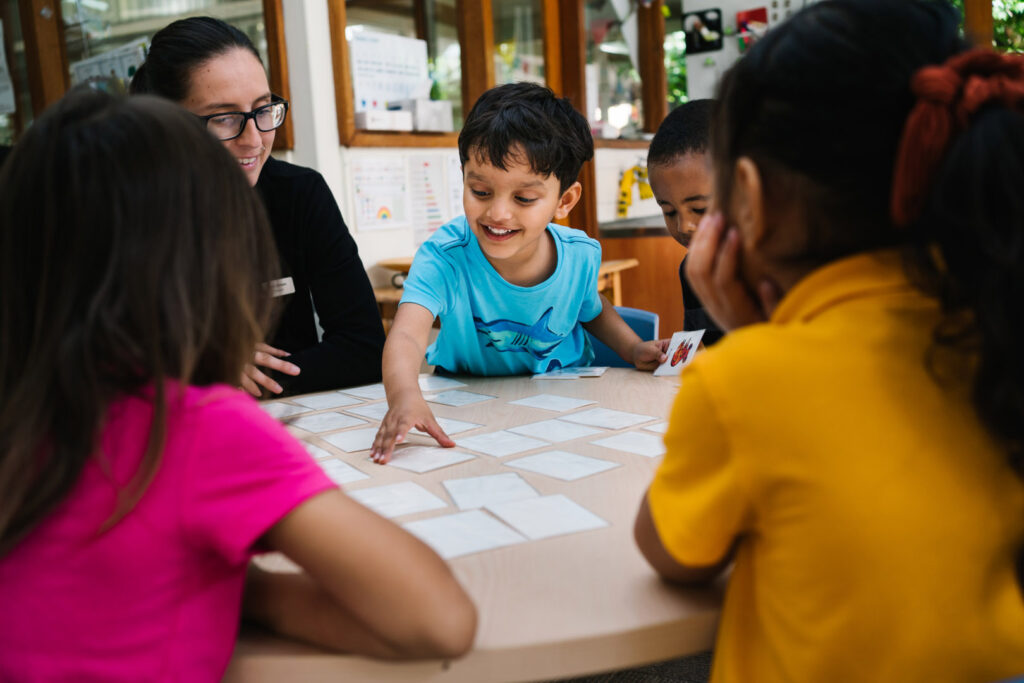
column 268, row 357
column 649, row 355
column 712, row 268
column 405, row 413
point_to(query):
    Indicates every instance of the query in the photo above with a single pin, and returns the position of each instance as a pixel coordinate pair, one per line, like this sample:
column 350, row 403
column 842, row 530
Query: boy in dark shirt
column 677, row 163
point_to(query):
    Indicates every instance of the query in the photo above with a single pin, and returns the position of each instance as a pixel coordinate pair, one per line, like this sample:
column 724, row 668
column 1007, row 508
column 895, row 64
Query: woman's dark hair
column 554, row 137
column 686, row 130
column 178, row 48
column 118, row 276
column 821, row 106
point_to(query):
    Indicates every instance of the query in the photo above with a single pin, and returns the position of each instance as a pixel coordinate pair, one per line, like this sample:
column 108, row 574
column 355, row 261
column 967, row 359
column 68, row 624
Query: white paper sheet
column 326, row 422
column 335, row 399
column 658, row 427
column 372, row 411
column 500, row 443
column 450, row 426
column 371, row 392
column 459, row 398
column 476, row 492
column 438, row 383
column 352, row 440
column 281, row 410
column 640, row 443
column 552, row 402
column 422, row 459
column 341, row 472
column 538, row 518
column 562, row 465
column 554, row 430
column 316, row 451
column 463, row 533
column 609, row 419
column 681, row 350
column 395, row 500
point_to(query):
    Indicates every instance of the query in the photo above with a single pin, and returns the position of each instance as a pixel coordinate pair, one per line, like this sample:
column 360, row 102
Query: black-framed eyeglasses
column 229, row 125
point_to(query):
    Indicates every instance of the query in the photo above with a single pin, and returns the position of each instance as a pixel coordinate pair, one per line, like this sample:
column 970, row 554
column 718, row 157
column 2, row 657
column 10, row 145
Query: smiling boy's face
column 509, row 210
column 682, row 188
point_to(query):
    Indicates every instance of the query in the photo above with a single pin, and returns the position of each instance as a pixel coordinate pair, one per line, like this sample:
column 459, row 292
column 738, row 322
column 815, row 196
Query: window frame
column 43, row 31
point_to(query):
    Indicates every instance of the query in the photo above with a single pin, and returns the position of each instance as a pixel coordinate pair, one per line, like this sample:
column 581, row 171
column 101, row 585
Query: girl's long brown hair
column 132, row 257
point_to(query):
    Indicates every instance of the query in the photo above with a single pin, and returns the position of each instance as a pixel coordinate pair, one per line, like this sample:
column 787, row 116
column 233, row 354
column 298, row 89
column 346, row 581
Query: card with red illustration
column 680, row 352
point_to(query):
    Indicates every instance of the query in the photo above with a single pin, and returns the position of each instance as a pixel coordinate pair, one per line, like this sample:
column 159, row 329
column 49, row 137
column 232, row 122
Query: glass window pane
column 97, row 27
column 675, row 58
column 614, row 90
column 434, row 21
column 518, row 41
column 14, row 121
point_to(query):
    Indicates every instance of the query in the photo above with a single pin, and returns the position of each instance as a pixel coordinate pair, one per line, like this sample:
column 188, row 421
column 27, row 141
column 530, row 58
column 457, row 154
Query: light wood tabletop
column 562, row 606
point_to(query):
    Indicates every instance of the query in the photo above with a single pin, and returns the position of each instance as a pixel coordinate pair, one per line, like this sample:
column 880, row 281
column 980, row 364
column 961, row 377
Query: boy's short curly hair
column 554, row 137
column 686, row 130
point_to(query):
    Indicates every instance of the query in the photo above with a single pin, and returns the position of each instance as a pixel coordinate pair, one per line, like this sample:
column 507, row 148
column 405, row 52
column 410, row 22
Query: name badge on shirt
column 281, row 287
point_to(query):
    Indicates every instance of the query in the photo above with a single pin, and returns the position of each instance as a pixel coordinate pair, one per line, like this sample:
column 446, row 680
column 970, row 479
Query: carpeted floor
column 693, row 669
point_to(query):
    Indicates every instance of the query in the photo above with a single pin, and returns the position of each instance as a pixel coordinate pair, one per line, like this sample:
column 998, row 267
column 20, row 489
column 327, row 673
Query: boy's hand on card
column 649, row 355
column 404, row 414
column 269, row 357
column 712, row 267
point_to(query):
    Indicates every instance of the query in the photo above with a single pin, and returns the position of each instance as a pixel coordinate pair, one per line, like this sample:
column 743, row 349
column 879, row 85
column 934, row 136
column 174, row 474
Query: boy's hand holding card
column 680, row 352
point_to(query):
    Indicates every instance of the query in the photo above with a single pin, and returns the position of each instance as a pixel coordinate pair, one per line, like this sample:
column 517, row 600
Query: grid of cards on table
column 473, row 513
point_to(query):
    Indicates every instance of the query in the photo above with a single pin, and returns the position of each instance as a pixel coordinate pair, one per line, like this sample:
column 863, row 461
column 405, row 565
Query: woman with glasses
column 213, row 70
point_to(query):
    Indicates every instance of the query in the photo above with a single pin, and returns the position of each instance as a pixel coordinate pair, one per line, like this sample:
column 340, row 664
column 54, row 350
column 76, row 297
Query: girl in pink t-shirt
column 135, row 484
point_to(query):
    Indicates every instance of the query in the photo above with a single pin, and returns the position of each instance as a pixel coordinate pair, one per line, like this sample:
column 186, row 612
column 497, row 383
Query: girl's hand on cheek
column 712, row 268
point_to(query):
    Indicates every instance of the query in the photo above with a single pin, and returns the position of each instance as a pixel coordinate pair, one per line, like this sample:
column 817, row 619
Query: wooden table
column 563, row 606
column 609, row 283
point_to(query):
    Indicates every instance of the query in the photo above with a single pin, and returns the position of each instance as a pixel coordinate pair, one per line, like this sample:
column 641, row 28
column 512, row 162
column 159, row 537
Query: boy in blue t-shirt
column 510, row 287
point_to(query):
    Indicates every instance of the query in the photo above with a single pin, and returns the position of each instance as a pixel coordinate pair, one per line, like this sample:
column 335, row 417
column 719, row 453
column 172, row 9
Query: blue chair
column 644, row 323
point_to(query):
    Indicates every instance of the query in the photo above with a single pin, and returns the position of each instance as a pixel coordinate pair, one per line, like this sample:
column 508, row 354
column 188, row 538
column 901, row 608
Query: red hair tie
column 947, row 97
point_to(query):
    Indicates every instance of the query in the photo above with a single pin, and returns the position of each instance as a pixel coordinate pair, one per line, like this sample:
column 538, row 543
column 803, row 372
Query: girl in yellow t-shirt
column 856, row 450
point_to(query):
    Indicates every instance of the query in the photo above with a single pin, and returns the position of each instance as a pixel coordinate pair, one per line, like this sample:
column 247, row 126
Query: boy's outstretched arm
column 610, row 328
column 403, row 352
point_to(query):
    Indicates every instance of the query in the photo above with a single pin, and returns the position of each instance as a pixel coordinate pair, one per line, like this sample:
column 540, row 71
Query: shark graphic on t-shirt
column 508, row 335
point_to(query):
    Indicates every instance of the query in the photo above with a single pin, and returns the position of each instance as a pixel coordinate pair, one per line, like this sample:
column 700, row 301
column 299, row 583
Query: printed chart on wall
column 381, row 189
column 426, row 176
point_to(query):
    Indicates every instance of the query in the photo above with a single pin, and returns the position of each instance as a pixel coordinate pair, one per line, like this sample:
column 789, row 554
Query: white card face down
column 463, row 533
column 335, row 399
column 352, row 440
column 500, row 443
column 659, row 427
column 640, row 443
column 422, row 459
column 609, row 419
column 371, row 411
column 326, row 422
column 370, row 392
column 681, row 350
column 547, row 516
column 341, row 472
column 450, row 426
column 316, row 451
column 562, row 465
column 281, row 410
column 476, row 492
column 558, row 404
column 395, row 500
column 438, row 383
column 458, row 398
column 554, row 430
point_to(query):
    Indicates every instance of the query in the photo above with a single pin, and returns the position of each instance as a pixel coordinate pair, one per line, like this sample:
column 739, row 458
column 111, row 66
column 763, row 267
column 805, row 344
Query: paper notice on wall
column 426, row 178
column 387, row 68
column 117, row 65
column 381, row 188
column 7, row 105
column 455, row 207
